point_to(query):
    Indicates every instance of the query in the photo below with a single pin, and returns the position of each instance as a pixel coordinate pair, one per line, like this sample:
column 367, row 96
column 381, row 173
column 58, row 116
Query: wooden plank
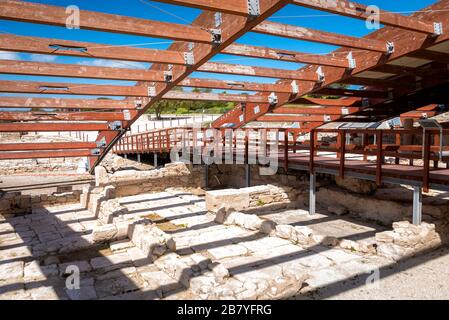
column 58, row 103
column 61, row 116
column 44, row 154
column 46, row 146
column 49, row 127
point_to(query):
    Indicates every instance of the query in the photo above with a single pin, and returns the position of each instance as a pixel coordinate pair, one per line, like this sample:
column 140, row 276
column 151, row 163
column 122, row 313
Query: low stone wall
column 132, row 182
column 15, row 203
column 378, row 207
column 407, row 240
column 267, row 197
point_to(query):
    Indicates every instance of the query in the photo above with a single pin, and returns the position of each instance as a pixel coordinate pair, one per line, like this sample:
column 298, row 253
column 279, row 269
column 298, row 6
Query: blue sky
column 140, row 8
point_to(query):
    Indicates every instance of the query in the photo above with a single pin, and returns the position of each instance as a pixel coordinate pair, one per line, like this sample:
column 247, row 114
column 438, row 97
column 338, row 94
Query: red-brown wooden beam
column 360, row 11
column 57, row 16
column 78, row 71
column 47, row 146
column 207, row 96
column 300, row 33
column 323, row 110
column 285, row 55
column 50, row 127
column 257, row 71
column 235, row 85
column 57, row 103
column 44, row 154
column 61, row 116
column 237, row 7
column 137, row 91
column 87, row 50
column 353, row 93
column 286, row 118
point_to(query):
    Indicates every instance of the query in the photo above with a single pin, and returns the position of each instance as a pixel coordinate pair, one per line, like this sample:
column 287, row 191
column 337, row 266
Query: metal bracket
column 344, row 111
column 189, row 58
column 256, row 109
column 327, row 118
column 95, row 152
column 320, row 74
column 390, row 47
column 168, row 76
column 216, row 37
column 295, row 87
column 242, row 118
column 218, row 19
column 365, row 102
column 101, row 143
column 138, row 103
column 273, row 99
column 351, row 61
column 126, row 115
column 438, row 28
column 190, row 46
column 253, row 8
column 151, row 91
column 115, row 125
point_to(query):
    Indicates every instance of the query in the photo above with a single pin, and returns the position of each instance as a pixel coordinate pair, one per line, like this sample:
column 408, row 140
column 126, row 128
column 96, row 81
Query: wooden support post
column 379, row 158
column 365, row 143
column 398, row 142
column 312, row 152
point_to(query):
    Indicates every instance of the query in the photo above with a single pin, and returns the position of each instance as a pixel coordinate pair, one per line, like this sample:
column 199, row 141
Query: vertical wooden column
column 426, row 173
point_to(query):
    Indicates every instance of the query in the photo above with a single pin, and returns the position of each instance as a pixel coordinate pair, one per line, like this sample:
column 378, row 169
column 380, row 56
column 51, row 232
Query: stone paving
column 211, row 260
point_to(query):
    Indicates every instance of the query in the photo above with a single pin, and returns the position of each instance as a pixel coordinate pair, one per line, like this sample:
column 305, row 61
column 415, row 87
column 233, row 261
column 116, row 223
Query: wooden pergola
column 400, row 68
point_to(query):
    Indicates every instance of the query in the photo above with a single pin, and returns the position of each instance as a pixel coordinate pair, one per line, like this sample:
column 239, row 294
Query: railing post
column 365, row 143
column 342, row 153
column 379, row 158
column 312, row 152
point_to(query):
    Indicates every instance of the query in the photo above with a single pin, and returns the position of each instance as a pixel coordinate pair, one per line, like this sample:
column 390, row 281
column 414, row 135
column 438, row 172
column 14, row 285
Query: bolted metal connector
column 327, row 118
column 189, row 58
column 295, row 87
column 115, row 125
column 365, row 102
column 390, row 47
column 168, row 76
column 253, row 8
column 95, row 152
column 273, row 99
column 216, row 37
column 351, row 61
column 151, row 91
column 126, row 115
column 218, row 19
column 256, row 109
column 344, row 111
column 320, row 74
column 438, row 28
column 138, row 103
column 242, row 118
column 101, row 143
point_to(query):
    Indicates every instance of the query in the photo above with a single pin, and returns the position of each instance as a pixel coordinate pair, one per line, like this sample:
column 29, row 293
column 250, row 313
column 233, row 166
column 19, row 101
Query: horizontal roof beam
column 235, row 85
column 47, row 146
column 88, row 50
column 131, row 91
column 237, row 7
column 57, row 103
column 258, row 71
column 52, row 127
column 61, row 116
column 293, row 118
column 44, row 154
column 363, row 12
column 78, row 71
column 57, row 16
column 300, row 33
column 315, row 111
column 208, row 96
column 353, row 93
column 285, row 55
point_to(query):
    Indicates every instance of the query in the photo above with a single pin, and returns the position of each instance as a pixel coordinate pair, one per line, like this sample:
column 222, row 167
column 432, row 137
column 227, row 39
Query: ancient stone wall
column 131, row 182
column 16, row 203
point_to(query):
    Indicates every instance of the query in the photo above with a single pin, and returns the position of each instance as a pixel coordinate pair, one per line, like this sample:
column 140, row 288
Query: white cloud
column 42, row 58
column 4, row 55
column 114, row 63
